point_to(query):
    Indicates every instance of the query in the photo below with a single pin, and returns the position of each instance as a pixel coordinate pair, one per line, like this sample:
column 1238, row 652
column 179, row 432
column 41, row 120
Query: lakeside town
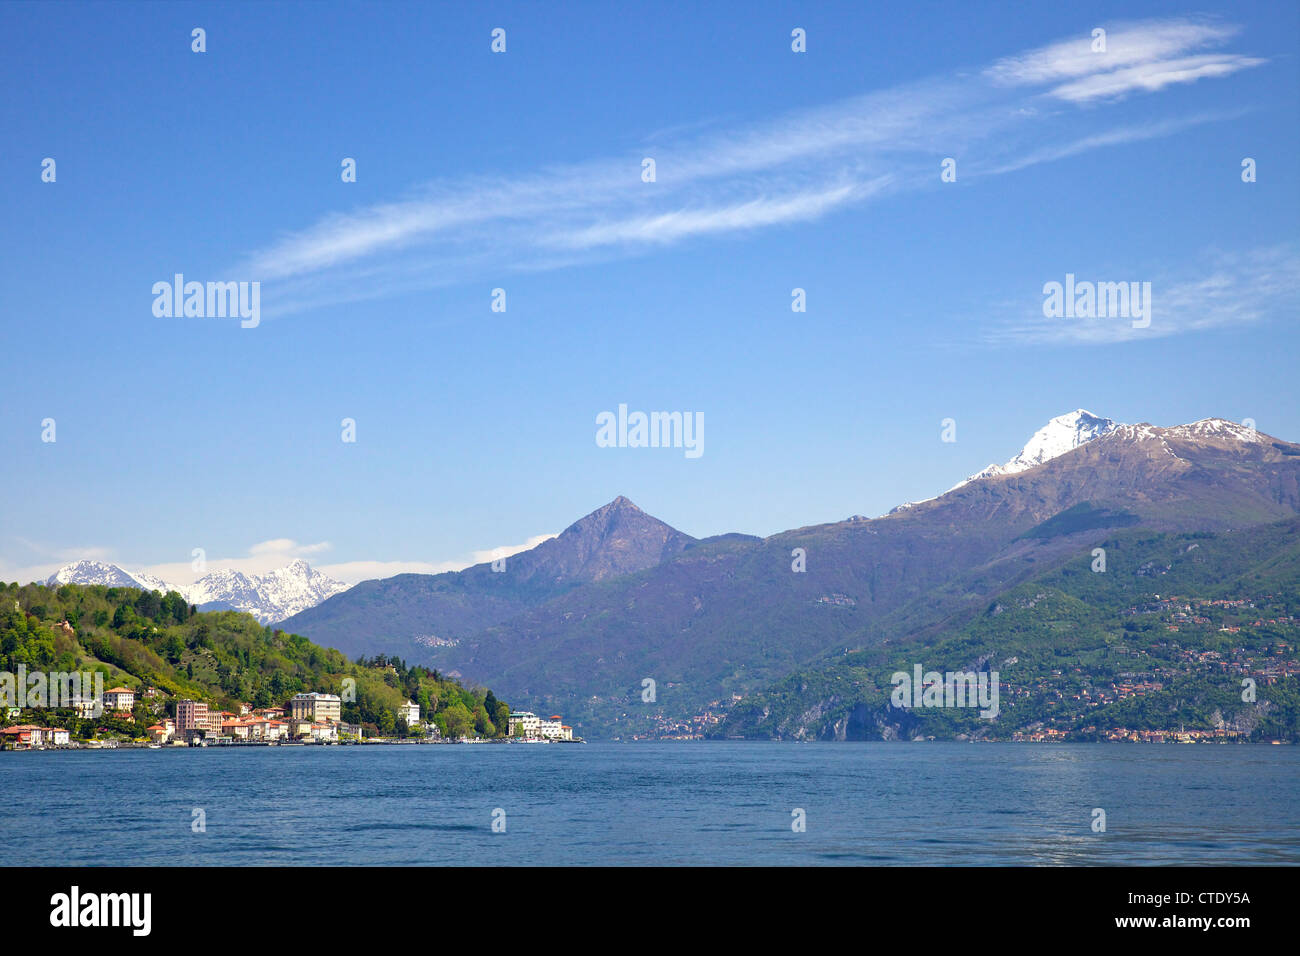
column 308, row 718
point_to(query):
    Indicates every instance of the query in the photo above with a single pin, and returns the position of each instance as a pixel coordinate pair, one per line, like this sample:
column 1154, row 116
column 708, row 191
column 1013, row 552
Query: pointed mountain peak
column 620, row 513
column 617, row 538
column 1062, row 434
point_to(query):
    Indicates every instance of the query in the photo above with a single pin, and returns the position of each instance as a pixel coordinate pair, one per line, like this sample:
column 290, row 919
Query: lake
column 655, row 803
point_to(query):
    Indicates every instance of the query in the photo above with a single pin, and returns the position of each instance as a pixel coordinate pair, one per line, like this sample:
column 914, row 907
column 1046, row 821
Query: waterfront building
column 316, row 707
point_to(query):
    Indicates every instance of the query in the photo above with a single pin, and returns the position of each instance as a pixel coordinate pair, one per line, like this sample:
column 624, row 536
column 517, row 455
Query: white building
column 524, row 724
column 532, row 727
column 410, row 712
column 552, row 728
column 119, row 698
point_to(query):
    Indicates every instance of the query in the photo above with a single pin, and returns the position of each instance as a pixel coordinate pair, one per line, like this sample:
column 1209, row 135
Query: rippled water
column 655, row 803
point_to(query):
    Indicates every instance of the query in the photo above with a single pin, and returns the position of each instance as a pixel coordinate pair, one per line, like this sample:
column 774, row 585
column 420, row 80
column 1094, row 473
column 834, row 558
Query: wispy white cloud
column 765, row 211
column 1224, row 290
column 288, row 546
column 355, row 571
column 716, row 179
column 1150, row 77
column 1127, row 44
column 1112, row 137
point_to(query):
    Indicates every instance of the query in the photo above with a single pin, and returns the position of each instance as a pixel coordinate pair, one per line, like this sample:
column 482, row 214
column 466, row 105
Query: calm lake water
column 655, row 803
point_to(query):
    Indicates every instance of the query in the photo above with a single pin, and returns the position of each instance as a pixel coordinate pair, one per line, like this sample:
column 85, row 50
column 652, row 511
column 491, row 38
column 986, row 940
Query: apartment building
column 193, row 715
column 317, row 708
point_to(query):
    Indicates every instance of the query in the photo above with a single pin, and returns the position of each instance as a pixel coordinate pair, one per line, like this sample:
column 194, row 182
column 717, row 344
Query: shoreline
column 240, row 745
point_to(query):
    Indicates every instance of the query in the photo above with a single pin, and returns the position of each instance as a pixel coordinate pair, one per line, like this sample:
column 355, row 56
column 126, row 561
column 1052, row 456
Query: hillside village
column 308, row 718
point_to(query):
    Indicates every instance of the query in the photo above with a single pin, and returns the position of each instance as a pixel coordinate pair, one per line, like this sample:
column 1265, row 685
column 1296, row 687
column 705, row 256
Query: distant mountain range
column 575, row 625
column 269, row 597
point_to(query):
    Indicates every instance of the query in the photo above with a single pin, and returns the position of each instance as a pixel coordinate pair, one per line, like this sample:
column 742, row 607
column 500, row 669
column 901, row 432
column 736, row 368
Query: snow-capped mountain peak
column 1061, row 434
column 92, row 572
column 297, row 587
column 269, row 597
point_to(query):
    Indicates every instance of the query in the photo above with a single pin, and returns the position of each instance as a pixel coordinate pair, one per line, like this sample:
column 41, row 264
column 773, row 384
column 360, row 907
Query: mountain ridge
column 269, row 597
column 726, row 616
column 408, row 613
column 575, row 624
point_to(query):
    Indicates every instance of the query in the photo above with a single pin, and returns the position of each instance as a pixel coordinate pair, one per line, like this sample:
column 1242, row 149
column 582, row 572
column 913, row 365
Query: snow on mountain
column 297, row 587
column 269, row 597
column 93, row 572
column 1062, row 434
column 1217, row 428
column 225, row 589
column 151, row 583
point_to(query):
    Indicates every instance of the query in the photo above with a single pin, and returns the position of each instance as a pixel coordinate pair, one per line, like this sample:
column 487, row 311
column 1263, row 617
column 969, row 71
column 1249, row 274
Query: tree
column 459, row 721
column 482, row 723
column 501, row 717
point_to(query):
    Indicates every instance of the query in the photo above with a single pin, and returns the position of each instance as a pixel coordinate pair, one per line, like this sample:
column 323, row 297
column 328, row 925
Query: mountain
column 1061, row 434
column 94, row 572
column 269, row 597
column 408, row 614
column 728, row 616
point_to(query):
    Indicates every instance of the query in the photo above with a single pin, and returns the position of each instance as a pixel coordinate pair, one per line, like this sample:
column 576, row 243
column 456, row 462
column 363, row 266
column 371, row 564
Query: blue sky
column 522, row 170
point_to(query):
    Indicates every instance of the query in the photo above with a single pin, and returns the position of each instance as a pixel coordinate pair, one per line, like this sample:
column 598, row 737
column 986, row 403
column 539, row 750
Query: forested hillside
column 143, row 639
column 1161, row 640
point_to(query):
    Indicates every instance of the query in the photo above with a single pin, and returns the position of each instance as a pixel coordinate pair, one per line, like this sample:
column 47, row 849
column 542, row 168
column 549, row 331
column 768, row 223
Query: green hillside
column 1161, row 640
column 143, row 639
